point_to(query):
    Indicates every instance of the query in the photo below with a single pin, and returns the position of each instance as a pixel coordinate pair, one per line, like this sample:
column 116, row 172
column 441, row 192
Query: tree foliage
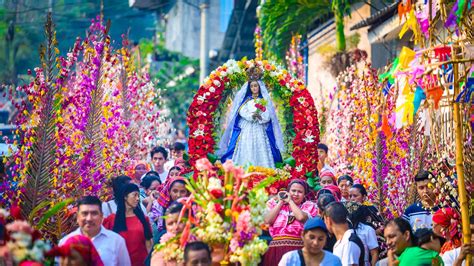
column 177, row 76
column 72, row 18
column 281, row 19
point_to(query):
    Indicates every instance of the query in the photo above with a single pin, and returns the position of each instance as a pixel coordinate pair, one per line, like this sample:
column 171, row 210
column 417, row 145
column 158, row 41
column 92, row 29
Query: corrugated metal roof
column 238, row 40
column 377, row 18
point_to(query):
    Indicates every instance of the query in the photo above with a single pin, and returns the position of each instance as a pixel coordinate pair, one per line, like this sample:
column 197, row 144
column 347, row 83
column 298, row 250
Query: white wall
column 183, row 27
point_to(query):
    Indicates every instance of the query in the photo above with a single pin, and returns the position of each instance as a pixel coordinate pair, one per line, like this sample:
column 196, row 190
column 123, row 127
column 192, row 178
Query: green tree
column 177, row 76
column 281, row 19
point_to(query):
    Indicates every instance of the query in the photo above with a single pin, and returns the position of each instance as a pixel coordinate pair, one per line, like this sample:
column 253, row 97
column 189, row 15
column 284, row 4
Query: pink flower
column 228, row 166
column 19, row 226
column 166, row 237
column 203, row 164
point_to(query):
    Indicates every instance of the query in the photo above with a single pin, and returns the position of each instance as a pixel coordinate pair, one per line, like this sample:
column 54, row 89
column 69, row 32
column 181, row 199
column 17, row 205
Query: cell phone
column 282, row 195
column 155, row 194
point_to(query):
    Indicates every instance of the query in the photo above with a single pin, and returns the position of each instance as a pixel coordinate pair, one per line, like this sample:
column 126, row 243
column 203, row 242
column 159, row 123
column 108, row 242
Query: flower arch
column 296, row 111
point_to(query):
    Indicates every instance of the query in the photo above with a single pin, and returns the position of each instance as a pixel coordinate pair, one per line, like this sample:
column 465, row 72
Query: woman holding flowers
column 253, row 134
column 286, row 216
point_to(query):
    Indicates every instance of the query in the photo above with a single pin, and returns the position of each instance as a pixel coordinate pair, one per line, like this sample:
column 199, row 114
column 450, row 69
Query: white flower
column 223, row 73
column 301, row 100
column 299, row 168
column 217, row 83
column 212, row 89
column 4, row 213
column 214, row 183
column 309, row 139
column 201, row 97
column 198, row 132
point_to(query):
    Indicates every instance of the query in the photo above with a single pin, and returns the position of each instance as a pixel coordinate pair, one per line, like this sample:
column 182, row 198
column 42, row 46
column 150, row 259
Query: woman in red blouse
column 131, row 224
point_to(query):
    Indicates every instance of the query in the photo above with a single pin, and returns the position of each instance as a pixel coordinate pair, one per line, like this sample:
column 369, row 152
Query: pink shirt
column 280, row 226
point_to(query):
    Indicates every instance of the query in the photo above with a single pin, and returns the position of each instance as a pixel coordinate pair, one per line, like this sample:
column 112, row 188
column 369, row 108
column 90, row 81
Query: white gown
column 253, row 146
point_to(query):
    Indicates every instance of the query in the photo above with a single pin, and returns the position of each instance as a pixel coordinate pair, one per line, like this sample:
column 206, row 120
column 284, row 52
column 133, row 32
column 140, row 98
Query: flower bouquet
column 229, row 214
column 170, row 248
column 261, row 105
column 23, row 243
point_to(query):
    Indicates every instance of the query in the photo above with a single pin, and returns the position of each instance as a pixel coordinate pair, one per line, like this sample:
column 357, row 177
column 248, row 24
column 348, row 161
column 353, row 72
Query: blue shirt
column 418, row 216
column 293, row 259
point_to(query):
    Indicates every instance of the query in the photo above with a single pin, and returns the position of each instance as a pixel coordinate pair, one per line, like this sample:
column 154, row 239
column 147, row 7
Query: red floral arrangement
column 208, row 97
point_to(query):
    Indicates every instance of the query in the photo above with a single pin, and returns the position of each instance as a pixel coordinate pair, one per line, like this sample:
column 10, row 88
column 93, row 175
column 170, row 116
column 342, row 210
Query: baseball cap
column 314, row 223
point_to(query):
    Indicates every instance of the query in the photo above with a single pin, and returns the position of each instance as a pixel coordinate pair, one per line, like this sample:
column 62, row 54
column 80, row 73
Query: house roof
column 379, row 17
column 238, row 40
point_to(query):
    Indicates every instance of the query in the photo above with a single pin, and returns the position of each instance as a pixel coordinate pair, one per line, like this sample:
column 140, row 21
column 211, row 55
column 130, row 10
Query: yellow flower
column 228, row 212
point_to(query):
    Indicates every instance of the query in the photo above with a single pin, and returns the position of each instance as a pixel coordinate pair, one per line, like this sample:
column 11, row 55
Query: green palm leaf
column 53, row 211
column 41, row 163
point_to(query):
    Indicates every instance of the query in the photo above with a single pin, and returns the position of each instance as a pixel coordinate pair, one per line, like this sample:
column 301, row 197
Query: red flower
column 218, row 208
column 217, row 193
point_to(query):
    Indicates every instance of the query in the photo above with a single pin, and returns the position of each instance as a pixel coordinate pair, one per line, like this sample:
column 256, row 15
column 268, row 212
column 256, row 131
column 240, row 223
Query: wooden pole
column 466, row 230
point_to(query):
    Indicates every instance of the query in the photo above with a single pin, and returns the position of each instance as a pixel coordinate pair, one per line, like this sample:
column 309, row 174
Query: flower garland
column 292, row 94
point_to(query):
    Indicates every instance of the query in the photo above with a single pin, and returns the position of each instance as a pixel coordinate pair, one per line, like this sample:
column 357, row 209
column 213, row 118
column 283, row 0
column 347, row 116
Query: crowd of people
column 338, row 225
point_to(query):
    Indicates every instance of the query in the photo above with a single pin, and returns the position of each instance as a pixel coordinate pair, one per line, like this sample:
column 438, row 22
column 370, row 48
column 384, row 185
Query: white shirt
column 346, row 250
column 110, row 246
column 168, row 165
column 326, row 167
column 163, row 176
column 369, row 238
column 449, row 257
column 110, row 207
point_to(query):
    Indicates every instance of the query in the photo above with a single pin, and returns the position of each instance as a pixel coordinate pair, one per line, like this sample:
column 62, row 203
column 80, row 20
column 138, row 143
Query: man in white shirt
column 322, row 155
column 349, row 248
column 110, row 245
column 457, row 256
column 177, row 153
column 159, row 156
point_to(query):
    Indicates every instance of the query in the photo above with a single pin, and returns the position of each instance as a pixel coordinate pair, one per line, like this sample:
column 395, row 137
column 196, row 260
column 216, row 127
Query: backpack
column 354, row 238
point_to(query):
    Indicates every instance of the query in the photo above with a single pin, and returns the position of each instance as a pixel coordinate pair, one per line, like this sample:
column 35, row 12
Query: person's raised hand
column 284, row 196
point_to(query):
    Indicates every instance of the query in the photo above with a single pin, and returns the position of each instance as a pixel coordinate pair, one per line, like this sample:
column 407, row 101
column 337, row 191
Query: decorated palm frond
column 39, row 167
column 93, row 133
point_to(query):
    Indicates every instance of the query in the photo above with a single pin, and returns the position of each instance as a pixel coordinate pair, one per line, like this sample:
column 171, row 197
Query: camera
column 282, row 195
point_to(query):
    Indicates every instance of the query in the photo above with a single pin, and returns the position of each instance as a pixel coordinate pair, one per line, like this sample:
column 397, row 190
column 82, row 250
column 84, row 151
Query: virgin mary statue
column 253, row 135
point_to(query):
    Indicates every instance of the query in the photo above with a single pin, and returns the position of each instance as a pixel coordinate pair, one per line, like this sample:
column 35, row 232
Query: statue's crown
column 254, row 73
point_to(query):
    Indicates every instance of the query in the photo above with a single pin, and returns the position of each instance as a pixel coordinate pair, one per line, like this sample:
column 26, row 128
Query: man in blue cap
column 314, row 238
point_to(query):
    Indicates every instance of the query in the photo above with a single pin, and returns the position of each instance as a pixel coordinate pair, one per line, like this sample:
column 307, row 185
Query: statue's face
column 254, row 87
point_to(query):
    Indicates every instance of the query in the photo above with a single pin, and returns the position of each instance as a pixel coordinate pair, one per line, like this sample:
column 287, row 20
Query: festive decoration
column 85, row 118
column 258, row 43
column 22, row 242
column 297, row 113
column 294, row 60
column 229, row 213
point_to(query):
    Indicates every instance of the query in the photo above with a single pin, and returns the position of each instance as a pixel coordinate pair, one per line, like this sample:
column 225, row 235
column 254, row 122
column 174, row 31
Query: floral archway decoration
column 296, row 112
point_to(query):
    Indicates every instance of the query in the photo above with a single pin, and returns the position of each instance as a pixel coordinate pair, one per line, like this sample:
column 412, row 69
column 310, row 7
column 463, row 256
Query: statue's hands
column 256, row 116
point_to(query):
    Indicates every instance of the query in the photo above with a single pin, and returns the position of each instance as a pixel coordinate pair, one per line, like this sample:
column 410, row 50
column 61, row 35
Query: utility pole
column 50, row 6
column 204, row 42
